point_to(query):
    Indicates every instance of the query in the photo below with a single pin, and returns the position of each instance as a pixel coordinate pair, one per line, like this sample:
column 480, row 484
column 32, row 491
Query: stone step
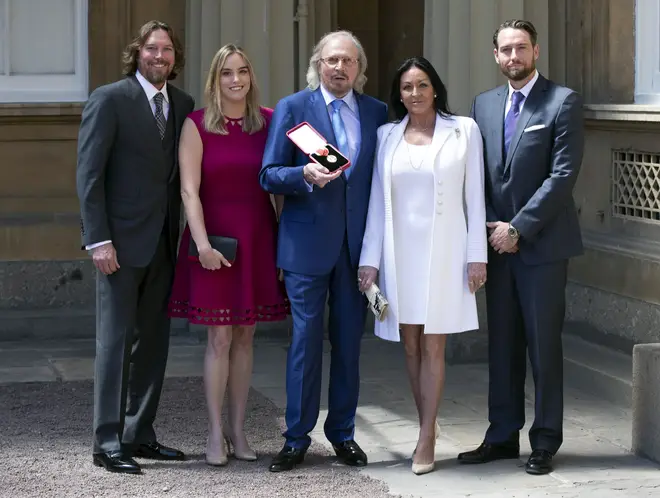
column 598, row 370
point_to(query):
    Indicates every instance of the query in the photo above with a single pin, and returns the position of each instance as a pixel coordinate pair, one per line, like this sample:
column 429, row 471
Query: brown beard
column 519, row 74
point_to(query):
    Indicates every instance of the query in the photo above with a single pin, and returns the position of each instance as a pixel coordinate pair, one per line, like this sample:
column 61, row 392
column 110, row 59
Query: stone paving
column 594, row 460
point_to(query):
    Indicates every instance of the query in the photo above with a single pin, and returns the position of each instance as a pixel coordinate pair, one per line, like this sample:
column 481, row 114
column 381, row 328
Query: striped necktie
column 161, row 122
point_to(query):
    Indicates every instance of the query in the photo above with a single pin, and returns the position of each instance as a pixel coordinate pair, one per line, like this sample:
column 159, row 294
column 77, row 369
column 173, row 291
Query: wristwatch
column 513, row 232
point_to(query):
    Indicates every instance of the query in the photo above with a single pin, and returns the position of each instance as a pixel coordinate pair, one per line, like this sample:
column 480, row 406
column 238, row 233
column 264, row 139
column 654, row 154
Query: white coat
column 458, row 173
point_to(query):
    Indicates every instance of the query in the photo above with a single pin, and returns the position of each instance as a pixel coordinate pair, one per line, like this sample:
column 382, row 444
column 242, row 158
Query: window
column 43, row 50
column 647, row 52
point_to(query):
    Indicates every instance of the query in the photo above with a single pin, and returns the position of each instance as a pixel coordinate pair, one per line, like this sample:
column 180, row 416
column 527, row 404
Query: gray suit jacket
column 125, row 184
column 532, row 188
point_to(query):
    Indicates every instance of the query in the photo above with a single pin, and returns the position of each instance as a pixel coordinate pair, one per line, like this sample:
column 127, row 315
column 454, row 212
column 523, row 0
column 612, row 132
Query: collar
column 527, row 88
column 151, row 90
column 349, row 98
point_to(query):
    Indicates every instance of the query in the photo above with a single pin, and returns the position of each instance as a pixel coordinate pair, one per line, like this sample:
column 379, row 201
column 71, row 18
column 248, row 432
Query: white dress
column 412, row 214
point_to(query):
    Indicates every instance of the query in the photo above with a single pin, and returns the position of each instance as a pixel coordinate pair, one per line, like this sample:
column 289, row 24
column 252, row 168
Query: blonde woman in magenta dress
column 220, row 155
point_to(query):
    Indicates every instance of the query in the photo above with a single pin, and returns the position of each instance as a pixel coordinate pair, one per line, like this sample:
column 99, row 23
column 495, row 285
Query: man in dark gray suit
column 533, row 139
column 129, row 191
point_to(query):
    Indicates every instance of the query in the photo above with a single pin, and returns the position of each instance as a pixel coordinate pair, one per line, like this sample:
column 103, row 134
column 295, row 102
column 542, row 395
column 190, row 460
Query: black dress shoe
column 156, row 451
column 350, row 453
column 489, row 452
column 116, row 461
column 287, row 459
column 539, row 463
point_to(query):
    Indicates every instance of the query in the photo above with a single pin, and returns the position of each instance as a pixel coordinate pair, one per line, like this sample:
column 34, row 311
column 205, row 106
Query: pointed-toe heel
column 422, row 468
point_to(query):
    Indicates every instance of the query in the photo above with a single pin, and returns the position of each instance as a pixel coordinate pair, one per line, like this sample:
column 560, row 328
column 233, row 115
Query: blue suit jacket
column 313, row 224
column 532, row 188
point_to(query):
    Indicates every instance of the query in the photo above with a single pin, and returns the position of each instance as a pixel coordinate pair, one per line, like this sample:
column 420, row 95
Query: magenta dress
column 236, row 206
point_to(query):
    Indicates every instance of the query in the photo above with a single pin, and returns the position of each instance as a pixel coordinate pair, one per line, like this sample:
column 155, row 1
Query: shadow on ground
column 45, row 442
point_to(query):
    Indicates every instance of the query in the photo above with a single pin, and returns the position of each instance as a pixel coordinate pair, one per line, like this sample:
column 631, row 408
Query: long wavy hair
column 440, row 100
column 214, row 119
column 313, row 75
column 132, row 51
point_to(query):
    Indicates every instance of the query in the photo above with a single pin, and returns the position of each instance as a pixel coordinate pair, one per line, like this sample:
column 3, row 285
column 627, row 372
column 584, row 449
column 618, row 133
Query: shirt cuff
column 98, row 244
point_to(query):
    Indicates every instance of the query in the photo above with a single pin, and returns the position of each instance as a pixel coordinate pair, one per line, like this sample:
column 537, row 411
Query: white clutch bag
column 377, row 302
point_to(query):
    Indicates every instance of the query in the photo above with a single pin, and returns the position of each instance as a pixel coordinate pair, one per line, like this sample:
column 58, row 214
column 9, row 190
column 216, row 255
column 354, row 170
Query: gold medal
column 332, row 159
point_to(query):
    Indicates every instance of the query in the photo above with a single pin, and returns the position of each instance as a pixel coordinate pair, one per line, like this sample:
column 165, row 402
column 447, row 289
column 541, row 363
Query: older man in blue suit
column 533, row 144
column 320, row 239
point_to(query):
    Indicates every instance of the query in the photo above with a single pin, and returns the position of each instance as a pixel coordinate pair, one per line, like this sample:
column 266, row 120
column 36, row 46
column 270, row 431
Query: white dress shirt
column 151, row 92
column 524, row 90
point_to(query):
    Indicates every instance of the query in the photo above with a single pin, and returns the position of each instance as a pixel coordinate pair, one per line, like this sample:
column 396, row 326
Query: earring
column 435, row 96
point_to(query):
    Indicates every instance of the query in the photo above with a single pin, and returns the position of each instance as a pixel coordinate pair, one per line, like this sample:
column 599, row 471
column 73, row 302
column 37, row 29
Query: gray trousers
column 132, row 342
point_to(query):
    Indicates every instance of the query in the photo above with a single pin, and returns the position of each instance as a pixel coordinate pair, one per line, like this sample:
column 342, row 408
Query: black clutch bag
column 224, row 245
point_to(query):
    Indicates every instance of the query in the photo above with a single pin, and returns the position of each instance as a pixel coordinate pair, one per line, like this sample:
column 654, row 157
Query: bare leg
column 432, row 381
column 240, row 373
column 216, row 371
column 411, row 341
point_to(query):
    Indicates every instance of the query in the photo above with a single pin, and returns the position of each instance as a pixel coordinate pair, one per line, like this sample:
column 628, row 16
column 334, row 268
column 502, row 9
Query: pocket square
column 533, row 128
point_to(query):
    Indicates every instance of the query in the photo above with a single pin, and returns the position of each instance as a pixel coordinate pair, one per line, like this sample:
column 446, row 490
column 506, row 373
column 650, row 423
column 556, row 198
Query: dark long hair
column 132, row 51
column 440, row 101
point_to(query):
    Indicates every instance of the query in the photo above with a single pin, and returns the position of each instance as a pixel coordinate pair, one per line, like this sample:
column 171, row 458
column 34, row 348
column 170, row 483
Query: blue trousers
column 347, row 307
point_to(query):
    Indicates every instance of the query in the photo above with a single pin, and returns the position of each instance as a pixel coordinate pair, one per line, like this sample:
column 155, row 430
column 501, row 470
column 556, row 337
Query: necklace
column 417, row 168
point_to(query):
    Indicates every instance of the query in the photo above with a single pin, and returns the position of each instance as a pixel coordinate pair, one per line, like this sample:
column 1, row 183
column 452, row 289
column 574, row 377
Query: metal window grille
column 636, row 185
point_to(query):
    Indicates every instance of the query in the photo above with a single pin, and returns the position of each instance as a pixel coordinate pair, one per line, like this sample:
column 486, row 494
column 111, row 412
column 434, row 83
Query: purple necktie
column 511, row 120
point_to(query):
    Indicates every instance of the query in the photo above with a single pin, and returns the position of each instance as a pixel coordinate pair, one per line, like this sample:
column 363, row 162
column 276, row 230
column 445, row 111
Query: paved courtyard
column 594, row 460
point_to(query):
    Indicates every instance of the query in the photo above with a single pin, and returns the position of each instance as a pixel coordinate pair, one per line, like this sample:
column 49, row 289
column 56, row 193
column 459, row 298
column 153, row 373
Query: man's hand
column 366, row 276
column 105, row 258
column 499, row 237
column 318, row 175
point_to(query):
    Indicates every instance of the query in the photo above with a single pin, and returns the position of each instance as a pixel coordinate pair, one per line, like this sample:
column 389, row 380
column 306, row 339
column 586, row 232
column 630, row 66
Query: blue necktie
column 511, row 120
column 339, row 129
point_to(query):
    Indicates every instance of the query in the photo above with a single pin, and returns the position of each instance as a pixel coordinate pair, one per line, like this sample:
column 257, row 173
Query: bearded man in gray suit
column 129, row 191
column 533, row 136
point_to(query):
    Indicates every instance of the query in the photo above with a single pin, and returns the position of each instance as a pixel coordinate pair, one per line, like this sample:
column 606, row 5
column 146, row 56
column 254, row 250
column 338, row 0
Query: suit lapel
column 444, row 128
column 498, row 135
column 320, row 119
column 365, row 124
column 529, row 108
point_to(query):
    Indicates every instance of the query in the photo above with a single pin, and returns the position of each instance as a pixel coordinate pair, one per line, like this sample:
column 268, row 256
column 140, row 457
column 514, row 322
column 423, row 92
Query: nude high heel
column 425, row 468
column 247, row 456
column 216, row 458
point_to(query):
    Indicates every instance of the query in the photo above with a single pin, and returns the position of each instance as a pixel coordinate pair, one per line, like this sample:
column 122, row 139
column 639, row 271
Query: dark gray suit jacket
column 125, row 184
column 532, row 188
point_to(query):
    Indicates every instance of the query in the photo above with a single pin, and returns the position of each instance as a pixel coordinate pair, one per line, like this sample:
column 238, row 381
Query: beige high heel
column 248, row 456
column 437, row 435
column 216, row 459
column 424, row 468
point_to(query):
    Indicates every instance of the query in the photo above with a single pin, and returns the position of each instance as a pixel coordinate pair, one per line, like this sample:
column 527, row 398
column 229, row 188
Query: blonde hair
column 313, row 76
column 214, row 119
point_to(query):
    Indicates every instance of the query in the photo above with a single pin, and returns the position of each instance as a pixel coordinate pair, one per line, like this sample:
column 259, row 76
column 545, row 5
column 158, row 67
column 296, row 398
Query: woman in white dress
column 427, row 253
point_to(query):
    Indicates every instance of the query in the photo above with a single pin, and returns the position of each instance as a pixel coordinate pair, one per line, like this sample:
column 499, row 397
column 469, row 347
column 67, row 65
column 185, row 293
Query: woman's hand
column 476, row 276
column 366, row 276
column 211, row 259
